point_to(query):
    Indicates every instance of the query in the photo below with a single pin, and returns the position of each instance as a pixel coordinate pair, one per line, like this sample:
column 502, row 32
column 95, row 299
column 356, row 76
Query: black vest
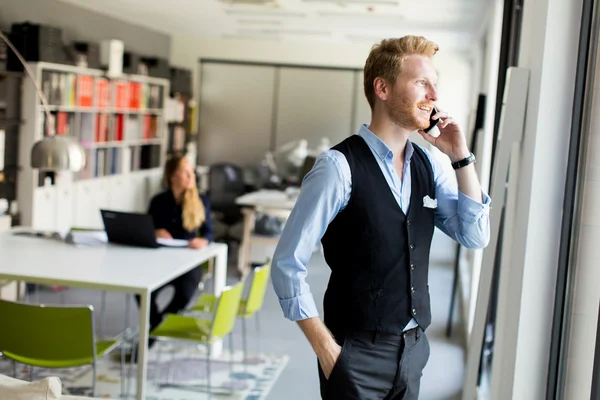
column 379, row 257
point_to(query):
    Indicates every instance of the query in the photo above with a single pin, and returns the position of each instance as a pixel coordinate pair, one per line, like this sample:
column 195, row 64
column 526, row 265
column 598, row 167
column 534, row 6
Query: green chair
column 53, row 337
column 249, row 306
column 202, row 331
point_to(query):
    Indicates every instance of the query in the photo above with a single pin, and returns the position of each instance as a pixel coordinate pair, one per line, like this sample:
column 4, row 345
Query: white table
column 277, row 203
column 108, row 267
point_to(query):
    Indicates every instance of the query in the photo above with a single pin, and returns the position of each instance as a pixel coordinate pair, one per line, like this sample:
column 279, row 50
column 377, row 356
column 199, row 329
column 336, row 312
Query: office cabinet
column 44, row 212
column 64, row 214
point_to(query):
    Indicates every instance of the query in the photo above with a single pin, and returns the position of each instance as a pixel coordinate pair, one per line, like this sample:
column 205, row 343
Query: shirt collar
column 380, row 148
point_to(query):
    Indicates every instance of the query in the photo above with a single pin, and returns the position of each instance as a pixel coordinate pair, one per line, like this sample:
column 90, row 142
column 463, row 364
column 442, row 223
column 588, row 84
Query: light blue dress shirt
column 326, row 191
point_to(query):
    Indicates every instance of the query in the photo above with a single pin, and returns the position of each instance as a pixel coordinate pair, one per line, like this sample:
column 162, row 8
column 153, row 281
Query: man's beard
column 406, row 113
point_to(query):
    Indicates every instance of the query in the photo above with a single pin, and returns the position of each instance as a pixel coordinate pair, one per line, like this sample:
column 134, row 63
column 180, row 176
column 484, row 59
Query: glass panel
column 583, row 319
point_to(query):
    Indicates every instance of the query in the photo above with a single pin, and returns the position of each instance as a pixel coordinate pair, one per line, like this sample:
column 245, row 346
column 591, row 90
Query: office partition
column 235, row 113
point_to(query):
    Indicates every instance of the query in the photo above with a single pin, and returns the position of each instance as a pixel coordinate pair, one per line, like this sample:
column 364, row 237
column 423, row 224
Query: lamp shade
column 58, row 153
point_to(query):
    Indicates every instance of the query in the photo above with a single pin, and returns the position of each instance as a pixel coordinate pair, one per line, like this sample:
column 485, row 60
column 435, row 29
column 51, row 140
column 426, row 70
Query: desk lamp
column 53, row 152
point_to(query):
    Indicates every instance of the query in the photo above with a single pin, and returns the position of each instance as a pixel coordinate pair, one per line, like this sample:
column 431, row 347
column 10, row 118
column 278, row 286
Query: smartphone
column 432, row 122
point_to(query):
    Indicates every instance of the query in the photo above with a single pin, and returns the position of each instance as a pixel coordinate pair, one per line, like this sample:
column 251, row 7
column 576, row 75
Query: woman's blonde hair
column 193, row 212
column 385, row 60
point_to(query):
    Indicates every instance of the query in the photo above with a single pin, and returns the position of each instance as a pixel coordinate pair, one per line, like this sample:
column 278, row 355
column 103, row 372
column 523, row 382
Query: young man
column 373, row 200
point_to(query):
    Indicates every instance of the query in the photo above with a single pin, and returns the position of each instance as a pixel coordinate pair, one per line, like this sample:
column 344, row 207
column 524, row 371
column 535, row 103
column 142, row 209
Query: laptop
column 134, row 229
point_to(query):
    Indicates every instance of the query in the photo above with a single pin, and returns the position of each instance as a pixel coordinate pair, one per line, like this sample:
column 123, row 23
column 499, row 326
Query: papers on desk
column 86, row 238
column 75, row 237
column 172, row 242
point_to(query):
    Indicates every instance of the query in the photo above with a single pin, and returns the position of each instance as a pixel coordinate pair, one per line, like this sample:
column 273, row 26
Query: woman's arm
column 156, row 210
column 207, row 229
column 162, row 233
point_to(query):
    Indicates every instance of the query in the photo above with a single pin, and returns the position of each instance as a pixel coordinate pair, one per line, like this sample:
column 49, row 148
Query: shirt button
column 414, row 311
column 412, row 246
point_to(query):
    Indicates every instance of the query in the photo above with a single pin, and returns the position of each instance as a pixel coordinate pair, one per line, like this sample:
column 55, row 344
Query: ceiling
column 337, row 21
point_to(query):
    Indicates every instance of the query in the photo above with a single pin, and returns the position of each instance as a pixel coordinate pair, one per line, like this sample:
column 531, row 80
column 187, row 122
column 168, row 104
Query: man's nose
column 432, row 93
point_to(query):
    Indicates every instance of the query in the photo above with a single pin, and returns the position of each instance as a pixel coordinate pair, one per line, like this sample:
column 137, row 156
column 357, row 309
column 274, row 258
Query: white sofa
column 44, row 389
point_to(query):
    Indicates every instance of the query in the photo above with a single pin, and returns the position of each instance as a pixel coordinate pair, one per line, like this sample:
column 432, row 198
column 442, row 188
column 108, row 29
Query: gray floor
column 442, row 378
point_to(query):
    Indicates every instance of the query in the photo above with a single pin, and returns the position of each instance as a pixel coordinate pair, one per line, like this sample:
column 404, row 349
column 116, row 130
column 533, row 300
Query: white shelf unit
column 118, row 121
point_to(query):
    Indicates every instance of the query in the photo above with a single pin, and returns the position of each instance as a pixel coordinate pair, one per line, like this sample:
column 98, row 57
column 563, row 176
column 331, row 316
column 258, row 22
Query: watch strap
column 464, row 162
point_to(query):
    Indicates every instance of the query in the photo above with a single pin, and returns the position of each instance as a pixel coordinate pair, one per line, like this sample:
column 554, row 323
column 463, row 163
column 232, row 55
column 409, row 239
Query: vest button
column 412, row 246
column 408, row 222
column 412, row 289
column 414, row 311
column 412, row 267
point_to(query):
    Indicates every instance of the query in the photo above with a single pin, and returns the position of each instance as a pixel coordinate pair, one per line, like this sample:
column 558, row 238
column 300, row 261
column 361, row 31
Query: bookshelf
column 182, row 114
column 120, row 122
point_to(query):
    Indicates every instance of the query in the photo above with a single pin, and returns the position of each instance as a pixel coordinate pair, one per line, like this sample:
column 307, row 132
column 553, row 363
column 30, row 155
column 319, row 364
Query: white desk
column 110, row 267
column 276, row 199
column 272, row 202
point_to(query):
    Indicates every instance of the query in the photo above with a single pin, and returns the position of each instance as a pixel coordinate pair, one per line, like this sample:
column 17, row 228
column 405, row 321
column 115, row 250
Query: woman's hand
column 198, row 243
column 163, row 233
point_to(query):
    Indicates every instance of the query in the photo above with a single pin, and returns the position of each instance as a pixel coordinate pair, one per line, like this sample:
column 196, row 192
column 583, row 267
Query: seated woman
column 180, row 213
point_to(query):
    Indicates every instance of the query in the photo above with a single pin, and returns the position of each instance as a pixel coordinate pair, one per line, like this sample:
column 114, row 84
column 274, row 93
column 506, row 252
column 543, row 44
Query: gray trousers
column 377, row 367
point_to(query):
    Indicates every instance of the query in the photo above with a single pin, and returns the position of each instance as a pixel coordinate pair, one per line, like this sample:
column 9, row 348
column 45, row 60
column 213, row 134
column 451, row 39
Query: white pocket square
column 428, row 202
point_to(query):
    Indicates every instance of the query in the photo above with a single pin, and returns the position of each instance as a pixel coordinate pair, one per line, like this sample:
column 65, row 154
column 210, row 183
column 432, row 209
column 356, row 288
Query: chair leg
column 133, row 353
column 127, row 301
column 102, row 313
column 231, row 356
column 157, row 367
column 257, row 320
column 244, row 345
column 123, row 395
column 208, row 372
column 31, row 374
column 94, row 379
column 14, row 363
column 170, row 379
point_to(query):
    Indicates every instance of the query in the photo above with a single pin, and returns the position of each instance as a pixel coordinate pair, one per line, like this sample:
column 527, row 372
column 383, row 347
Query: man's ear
column 381, row 88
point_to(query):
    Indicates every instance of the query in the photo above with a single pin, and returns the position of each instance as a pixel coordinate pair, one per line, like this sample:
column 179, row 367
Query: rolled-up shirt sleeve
column 457, row 215
column 323, row 194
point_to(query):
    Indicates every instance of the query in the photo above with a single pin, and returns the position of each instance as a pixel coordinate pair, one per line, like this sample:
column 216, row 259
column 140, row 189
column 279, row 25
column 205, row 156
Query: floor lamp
column 52, row 152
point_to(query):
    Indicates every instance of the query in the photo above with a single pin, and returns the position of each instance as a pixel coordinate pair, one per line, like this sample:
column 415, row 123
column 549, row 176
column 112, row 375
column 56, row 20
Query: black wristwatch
column 464, row 162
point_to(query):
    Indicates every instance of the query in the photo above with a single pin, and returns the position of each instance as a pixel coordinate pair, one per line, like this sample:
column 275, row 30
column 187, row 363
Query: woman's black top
column 166, row 214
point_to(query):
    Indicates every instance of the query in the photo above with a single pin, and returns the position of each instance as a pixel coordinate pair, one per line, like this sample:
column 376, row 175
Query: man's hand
column 198, row 243
column 329, row 357
column 323, row 343
column 451, row 140
column 163, row 233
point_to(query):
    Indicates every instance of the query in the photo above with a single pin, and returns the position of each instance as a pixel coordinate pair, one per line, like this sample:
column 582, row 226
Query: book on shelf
column 119, row 121
column 67, row 89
